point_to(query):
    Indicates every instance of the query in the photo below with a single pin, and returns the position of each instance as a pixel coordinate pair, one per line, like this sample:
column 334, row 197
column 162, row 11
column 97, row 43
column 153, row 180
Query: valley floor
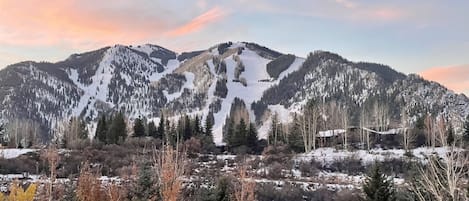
column 322, row 168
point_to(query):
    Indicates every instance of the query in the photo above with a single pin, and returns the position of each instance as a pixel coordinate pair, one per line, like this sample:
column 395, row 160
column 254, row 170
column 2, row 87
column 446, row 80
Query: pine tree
column 223, row 190
column 196, row 128
column 111, row 137
column 229, row 131
column 144, row 189
column 239, row 137
column 83, row 130
column 139, row 128
column 295, row 140
column 209, row 124
column 251, row 138
column 377, row 187
column 117, row 131
column 173, row 135
column 180, row 128
column 206, row 138
column 101, row 130
column 187, row 128
column 450, row 135
column 161, row 127
column 152, row 130
column 466, row 130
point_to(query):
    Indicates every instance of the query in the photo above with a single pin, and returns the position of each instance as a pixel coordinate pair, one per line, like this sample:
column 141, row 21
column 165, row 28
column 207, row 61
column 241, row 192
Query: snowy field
column 323, row 179
column 13, row 153
column 329, row 155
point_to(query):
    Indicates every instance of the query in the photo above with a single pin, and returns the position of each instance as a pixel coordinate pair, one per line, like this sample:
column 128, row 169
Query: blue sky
column 428, row 37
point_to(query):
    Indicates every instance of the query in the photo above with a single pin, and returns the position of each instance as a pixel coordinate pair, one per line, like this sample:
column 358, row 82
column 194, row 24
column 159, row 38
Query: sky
column 427, row 37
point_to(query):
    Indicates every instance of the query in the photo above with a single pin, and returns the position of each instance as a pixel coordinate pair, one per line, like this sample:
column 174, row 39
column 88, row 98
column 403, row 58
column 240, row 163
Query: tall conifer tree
column 101, row 130
column 377, row 187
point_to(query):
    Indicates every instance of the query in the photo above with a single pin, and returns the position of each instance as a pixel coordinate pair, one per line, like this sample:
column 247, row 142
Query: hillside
column 144, row 80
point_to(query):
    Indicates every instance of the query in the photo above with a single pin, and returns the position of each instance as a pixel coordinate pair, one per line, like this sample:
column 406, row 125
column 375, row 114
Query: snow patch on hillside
column 296, row 65
column 98, row 89
column 255, row 71
column 172, row 65
column 189, row 84
column 147, row 49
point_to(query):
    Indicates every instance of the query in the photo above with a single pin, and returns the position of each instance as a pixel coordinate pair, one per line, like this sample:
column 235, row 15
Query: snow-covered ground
column 13, row 153
column 329, row 155
column 329, row 180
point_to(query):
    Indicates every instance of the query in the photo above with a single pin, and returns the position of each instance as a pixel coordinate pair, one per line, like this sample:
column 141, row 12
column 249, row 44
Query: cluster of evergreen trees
column 241, row 137
column 113, row 130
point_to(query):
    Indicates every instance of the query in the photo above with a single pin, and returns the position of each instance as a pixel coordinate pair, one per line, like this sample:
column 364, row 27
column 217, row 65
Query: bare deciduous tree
column 443, row 178
column 89, row 187
column 381, row 113
column 309, row 126
column 115, row 192
column 69, row 132
column 364, row 134
column 274, row 130
column 52, row 156
column 408, row 138
column 430, row 131
column 22, row 132
column 345, row 124
column 170, row 165
column 244, row 190
column 336, row 118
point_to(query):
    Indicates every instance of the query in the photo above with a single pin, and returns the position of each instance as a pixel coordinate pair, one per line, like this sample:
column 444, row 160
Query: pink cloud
column 370, row 12
column 347, row 3
column 453, row 77
column 207, row 18
column 388, row 14
column 57, row 22
column 90, row 24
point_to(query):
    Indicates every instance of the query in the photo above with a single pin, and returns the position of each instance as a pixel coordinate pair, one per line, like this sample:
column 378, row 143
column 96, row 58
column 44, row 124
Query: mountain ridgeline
column 144, row 80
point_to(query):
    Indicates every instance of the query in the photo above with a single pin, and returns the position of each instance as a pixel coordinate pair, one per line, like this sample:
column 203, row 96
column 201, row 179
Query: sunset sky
column 428, row 37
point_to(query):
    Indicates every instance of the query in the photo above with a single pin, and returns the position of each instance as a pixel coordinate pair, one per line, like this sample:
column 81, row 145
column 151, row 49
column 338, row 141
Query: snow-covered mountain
column 143, row 80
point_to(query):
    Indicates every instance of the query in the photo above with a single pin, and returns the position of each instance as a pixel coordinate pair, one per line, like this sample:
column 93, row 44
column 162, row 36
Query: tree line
column 113, row 130
column 301, row 134
column 341, row 129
